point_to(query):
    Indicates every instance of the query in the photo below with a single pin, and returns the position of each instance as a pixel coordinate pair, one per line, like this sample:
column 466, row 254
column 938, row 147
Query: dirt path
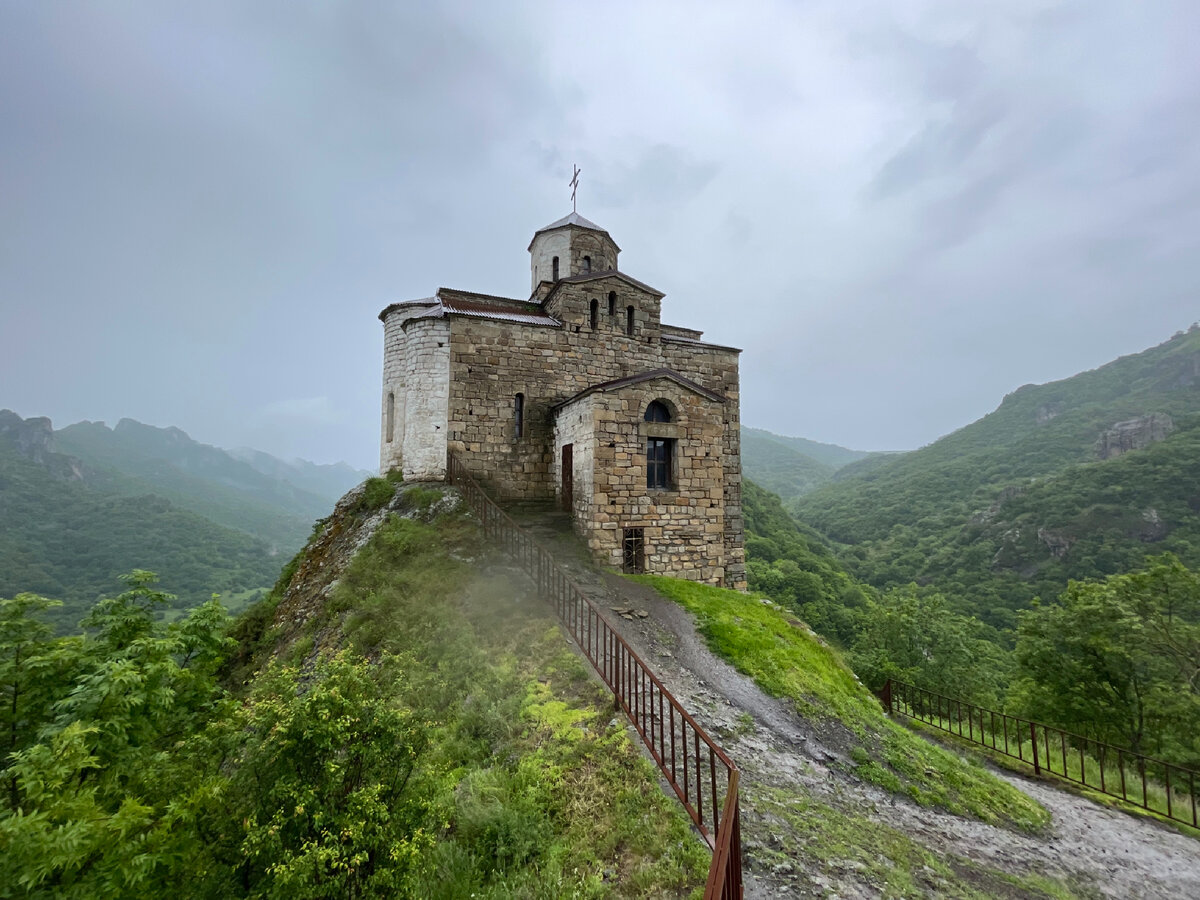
column 1095, row 851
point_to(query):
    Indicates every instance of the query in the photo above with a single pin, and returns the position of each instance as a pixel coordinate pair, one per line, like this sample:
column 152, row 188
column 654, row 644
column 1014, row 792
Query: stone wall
column 575, row 425
column 717, row 369
column 570, row 244
column 684, row 524
column 427, row 386
column 391, row 433
column 462, row 373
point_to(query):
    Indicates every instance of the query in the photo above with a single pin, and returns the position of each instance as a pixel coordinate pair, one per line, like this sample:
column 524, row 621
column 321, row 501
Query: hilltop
column 1078, row 478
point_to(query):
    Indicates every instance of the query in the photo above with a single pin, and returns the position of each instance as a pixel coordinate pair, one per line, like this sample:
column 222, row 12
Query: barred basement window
column 594, row 314
column 634, row 550
column 519, row 415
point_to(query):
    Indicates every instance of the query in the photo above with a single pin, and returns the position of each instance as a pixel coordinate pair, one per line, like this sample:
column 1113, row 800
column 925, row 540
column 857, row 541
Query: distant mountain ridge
column 1077, row 478
column 793, row 466
column 84, row 504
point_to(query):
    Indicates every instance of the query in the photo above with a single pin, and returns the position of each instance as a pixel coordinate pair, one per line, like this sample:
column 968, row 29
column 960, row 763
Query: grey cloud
column 207, row 204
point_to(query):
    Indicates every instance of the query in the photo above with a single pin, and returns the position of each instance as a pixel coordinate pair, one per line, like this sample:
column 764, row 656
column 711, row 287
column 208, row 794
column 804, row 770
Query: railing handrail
column 618, row 665
column 899, row 696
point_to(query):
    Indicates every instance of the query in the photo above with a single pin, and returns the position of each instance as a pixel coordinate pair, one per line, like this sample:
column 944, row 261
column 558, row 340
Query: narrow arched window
column 391, row 415
column 657, row 411
column 554, row 268
column 587, row 264
column 629, row 320
column 519, row 415
column 594, row 315
column 612, row 303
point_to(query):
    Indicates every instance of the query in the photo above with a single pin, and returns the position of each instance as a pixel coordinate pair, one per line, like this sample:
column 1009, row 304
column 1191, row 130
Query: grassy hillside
column 422, row 731
column 1015, row 504
column 788, row 661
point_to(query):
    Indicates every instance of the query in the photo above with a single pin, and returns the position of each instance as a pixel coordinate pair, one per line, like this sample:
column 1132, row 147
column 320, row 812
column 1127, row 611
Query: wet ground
column 1093, row 850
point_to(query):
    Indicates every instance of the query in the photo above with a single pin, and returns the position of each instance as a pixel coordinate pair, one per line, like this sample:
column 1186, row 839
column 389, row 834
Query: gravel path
column 1096, row 850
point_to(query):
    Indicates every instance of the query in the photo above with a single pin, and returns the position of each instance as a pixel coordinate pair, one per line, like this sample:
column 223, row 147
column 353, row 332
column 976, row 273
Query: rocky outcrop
column 336, row 541
column 33, row 439
column 1153, row 528
column 986, row 516
column 1134, row 434
column 1055, row 541
column 1048, row 411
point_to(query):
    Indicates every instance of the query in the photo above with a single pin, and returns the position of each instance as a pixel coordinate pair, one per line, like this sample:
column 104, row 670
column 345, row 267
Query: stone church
column 578, row 395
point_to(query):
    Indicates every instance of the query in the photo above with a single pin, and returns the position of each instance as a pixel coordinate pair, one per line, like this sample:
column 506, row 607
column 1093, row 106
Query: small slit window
column 594, row 314
column 587, row 264
column 519, row 416
column 391, row 415
column 554, row 269
column 629, row 320
column 612, row 303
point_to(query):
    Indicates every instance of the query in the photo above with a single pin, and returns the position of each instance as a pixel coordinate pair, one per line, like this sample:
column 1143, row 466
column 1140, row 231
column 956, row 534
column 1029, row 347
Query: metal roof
column 480, row 309
column 573, row 219
column 579, row 222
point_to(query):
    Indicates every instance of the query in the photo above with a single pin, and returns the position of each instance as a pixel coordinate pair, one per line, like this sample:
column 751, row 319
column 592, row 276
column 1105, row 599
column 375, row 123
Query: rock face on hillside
column 1134, row 434
column 335, row 542
column 33, row 438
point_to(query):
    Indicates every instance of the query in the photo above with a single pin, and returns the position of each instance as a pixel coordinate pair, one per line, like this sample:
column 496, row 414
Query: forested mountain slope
column 66, row 534
column 215, row 483
column 792, row 466
column 1077, row 478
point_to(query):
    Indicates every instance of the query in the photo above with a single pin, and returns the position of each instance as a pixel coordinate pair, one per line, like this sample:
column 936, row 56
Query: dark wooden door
column 568, row 478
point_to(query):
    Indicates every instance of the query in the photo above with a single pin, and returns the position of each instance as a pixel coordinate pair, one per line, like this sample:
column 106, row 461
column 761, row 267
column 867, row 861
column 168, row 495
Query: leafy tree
column 318, row 796
column 1119, row 660
column 913, row 636
column 96, row 736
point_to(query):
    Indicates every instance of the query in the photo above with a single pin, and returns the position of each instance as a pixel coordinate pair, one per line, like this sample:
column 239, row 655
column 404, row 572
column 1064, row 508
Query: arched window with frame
column 657, row 411
column 660, row 451
column 519, row 416
column 594, row 314
column 587, row 264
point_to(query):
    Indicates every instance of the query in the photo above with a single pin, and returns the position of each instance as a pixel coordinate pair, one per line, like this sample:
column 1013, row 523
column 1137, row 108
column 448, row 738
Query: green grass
column 540, row 792
column 786, row 660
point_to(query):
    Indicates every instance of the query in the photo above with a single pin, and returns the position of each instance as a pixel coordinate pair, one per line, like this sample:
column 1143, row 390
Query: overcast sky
column 902, row 211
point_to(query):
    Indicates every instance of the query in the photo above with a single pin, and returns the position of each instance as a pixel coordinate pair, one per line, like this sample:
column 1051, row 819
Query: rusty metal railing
column 703, row 778
column 1165, row 788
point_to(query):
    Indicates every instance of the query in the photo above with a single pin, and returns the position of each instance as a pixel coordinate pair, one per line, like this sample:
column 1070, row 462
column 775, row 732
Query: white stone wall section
column 427, row 388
